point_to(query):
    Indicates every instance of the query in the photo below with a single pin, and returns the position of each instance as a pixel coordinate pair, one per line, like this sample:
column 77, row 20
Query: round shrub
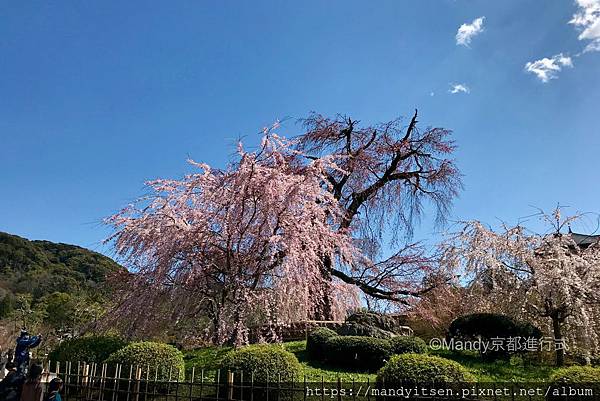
column 93, row 349
column 408, row 345
column 266, row 362
column 162, row 359
column 490, row 325
column 357, row 329
column 358, row 352
column 417, row 369
column 315, row 343
column 486, row 326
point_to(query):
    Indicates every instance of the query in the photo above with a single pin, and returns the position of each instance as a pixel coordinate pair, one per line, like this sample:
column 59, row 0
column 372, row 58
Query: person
column 32, row 388
column 11, row 385
column 54, row 388
column 24, row 343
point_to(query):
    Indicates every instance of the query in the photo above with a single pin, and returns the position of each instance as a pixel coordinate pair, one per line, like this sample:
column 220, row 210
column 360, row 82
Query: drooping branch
column 549, row 279
column 385, row 172
column 399, row 296
column 241, row 240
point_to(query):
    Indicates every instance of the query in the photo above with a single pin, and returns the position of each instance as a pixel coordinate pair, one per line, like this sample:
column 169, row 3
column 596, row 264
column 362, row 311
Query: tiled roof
column 584, row 240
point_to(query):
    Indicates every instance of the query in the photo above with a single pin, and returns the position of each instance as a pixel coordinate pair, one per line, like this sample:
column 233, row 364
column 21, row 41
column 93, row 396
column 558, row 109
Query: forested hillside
column 51, row 286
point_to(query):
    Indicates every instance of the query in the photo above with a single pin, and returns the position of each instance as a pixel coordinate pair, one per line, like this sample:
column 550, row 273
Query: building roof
column 584, row 240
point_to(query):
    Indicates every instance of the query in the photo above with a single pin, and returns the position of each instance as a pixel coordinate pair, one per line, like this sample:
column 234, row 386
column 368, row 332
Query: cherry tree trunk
column 324, row 310
column 558, row 338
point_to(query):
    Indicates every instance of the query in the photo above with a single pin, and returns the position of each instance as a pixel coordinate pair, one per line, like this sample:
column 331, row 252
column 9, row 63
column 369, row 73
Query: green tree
column 7, row 305
column 58, row 309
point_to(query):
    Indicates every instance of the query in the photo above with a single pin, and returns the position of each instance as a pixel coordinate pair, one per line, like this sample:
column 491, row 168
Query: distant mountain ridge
column 40, row 268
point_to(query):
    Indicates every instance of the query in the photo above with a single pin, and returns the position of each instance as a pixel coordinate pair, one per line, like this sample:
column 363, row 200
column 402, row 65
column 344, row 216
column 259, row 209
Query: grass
column 207, row 358
column 515, row 370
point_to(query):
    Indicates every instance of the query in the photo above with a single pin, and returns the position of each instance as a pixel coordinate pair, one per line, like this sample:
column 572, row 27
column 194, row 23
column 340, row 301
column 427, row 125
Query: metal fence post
column 230, row 385
column 138, row 378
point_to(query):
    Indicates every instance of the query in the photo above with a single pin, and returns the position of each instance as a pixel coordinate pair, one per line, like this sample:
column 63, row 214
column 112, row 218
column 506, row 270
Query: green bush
column 7, row 305
column 486, row 326
column 315, row 343
column 577, row 379
column 86, row 349
column 576, row 374
column 490, row 325
column 419, row 369
column 266, row 362
column 163, row 360
column 357, row 329
column 408, row 345
column 358, row 352
column 374, row 319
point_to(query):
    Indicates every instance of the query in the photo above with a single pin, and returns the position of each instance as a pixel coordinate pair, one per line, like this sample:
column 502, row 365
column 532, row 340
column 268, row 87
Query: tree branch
column 390, row 295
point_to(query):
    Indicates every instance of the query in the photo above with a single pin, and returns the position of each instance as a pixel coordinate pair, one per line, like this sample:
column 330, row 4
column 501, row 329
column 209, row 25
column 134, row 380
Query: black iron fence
column 101, row 382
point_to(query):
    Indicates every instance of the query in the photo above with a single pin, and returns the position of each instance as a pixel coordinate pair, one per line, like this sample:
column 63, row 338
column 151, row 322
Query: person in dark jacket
column 32, row 388
column 24, row 343
column 11, row 385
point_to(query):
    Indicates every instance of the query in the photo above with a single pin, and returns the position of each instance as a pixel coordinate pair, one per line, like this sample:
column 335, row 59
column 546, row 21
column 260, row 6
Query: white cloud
column 587, row 19
column 548, row 68
column 466, row 32
column 459, row 88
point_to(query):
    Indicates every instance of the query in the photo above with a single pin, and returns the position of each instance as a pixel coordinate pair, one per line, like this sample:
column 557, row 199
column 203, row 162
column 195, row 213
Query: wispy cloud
column 548, row 68
column 587, row 19
column 466, row 32
column 459, row 88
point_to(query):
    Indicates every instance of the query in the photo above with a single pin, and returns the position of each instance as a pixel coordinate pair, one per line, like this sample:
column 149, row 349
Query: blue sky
column 96, row 97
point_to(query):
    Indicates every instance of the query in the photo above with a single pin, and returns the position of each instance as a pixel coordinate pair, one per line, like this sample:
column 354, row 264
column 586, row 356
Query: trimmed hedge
column 357, row 329
column 361, row 352
column 374, row 319
column 358, row 352
column 408, row 345
column 267, row 362
column 488, row 326
column 315, row 343
column 164, row 358
column 419, row 369
column 95, row 349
